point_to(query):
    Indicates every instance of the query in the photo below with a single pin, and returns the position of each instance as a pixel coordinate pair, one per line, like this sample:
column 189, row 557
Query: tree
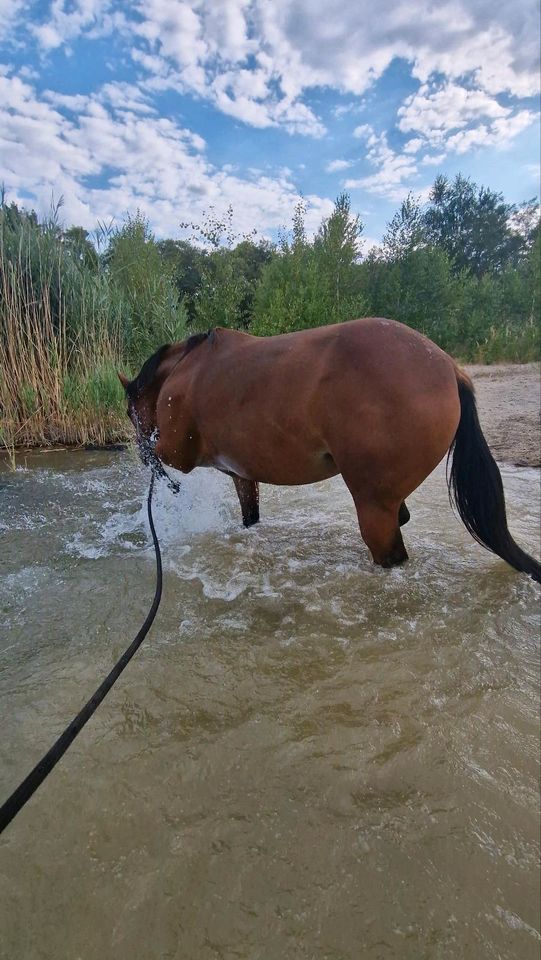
column 230, row 265
column 406, row 231
column 337, row 248
column 312, row 283
column 525, row 223
column 78, row 245
column 185, row 264
column 472, row 224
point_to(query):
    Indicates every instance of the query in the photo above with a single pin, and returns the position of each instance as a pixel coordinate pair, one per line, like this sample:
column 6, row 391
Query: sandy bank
column 509, row 402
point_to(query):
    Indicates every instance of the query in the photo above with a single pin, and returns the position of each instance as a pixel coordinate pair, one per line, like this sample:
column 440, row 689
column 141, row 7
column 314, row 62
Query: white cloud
column 245, row 95
column 457, row 119
column 255, row 60
column 413, row 146
column 498, row 44
column 498, row 134
column 363, row 131
column 343, row 109
column 394, row 170
column 335, row 165
column 433, row 160
column 68, row 20
column 10, row 11
column 150, row 162
column 434, row 111
column 294, row 45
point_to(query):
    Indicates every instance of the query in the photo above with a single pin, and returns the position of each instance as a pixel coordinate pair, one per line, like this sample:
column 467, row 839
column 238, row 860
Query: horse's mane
column 149, row 369
column 146, row 373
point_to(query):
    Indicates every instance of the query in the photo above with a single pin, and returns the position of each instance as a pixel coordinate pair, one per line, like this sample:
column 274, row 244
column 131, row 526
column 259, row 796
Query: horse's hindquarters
column 396, row 433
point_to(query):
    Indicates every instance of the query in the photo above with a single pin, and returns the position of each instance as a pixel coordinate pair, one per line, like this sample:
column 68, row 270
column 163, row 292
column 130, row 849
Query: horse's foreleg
column 248, row 494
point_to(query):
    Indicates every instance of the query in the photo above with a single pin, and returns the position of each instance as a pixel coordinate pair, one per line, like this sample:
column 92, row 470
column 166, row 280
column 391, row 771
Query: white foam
column 206, row 503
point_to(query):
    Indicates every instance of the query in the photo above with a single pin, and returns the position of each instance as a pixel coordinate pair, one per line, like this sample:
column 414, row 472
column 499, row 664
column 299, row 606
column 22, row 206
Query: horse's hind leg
column 403, row 514
column 248, row 494
column 380, row 531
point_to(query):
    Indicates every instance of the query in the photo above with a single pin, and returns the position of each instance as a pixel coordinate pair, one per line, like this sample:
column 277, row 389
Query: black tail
column 475, row 487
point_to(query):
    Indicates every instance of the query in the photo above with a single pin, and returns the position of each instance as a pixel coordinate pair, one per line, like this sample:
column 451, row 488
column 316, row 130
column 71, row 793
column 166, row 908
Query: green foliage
column 473, row 225
column 418, row 289
column 154, row 312
column 494, row 316
column 465, row 271
column 184, row 263
column 309, row 284
column 78, row 245
column 406, row 231
column 102, row 389
column 229, row 266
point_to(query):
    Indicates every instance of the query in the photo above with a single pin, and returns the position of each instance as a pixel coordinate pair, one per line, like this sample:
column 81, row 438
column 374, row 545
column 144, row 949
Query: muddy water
column 309, row 757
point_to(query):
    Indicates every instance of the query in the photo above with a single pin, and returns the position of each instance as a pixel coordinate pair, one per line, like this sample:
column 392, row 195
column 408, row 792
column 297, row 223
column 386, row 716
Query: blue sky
column 176, row 106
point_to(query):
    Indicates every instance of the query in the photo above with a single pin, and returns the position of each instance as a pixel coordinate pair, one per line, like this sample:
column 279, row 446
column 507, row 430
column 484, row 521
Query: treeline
column 464, row 268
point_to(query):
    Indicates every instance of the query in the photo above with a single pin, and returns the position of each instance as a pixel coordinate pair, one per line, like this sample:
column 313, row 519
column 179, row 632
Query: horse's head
column 141, row 394
column 140, row 411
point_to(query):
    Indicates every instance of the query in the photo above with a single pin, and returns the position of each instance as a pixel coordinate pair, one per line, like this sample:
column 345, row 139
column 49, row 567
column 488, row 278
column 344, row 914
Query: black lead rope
column 28, row 787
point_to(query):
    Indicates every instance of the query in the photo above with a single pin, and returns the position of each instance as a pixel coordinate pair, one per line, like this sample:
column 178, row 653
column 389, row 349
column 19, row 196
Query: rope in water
column 35, row 778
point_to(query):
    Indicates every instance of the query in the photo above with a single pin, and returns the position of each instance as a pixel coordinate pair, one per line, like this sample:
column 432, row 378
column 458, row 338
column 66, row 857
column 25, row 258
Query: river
column 310, row 758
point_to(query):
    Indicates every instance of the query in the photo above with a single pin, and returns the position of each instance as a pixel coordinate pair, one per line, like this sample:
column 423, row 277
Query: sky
column 176, row 107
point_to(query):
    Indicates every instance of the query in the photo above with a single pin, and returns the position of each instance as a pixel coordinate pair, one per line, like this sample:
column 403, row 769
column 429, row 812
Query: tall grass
column 59, row 338
column 68, row 322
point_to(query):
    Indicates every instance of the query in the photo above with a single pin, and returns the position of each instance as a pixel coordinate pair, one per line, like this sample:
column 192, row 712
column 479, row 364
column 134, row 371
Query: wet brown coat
column 370, row 399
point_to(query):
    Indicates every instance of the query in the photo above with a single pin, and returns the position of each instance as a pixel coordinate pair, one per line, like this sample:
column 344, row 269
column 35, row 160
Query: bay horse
column 370, row 399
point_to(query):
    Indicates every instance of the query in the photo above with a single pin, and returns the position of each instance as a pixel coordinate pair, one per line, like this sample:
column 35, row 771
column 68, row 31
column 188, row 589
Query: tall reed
column 59, row 345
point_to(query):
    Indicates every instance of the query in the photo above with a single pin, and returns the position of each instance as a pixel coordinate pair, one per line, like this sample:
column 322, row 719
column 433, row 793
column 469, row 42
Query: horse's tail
column 476, row 488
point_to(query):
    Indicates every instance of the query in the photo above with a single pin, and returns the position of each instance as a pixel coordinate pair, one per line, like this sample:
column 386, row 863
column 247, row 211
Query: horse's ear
column 124, row 380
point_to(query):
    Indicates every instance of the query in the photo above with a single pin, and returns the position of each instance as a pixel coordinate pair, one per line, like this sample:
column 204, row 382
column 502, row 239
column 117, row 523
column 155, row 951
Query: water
column 309, row 758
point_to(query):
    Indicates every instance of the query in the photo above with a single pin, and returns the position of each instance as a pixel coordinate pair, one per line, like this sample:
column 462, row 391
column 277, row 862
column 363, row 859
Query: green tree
column 230, row 265
column 406, row 231
column 185, row 264
column 312, row 283
column 79, row 246
column 472, row 224
column 419, row 289
column 337, row 249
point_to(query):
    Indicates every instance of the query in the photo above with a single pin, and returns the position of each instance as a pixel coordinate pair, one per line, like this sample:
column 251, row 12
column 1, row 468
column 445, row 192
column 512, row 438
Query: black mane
column 148, row 371
column 196, row 338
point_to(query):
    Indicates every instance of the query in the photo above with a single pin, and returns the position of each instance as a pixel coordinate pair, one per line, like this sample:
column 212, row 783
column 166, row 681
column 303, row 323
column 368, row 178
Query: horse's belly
column 282, row 468
column 227, row 464
column 303, row 471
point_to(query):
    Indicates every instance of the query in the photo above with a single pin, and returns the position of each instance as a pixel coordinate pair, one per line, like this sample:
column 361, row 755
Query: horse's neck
column 173, row 356
column 167, row 365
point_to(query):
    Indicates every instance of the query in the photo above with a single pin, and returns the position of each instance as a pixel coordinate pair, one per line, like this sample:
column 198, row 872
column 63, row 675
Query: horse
column 370, row 399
